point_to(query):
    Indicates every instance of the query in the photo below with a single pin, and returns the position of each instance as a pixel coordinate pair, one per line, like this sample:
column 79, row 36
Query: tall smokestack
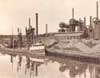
column 97, row 9
column 84, row 21
column 36, row 24
column 90, row 20
column 46, row 28
column 29, row 21
column 73, row 13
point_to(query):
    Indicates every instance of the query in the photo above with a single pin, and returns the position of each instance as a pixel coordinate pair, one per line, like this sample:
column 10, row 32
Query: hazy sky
column 15, row 13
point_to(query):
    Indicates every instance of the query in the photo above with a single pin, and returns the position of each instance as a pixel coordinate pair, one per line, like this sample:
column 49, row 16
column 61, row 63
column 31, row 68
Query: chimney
column 29, row 21
column 90, row 20
column 97, row 9
column 84, row 21
column 46, row 28
column 36, row 24
column 84, row 24
column 18, row 30
column 72, row 13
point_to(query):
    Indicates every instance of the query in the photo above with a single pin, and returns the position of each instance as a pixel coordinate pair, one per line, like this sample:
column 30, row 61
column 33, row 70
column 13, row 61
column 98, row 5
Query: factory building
column 74, row 30
column 77, row 29
column 96, row 25
column 71, row 31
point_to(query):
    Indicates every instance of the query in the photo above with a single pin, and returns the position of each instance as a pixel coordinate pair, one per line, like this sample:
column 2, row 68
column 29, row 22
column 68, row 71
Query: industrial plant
column 74, row 48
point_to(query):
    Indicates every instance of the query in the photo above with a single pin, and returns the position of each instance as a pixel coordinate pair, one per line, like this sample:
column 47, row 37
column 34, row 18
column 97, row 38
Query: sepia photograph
column 49, row 39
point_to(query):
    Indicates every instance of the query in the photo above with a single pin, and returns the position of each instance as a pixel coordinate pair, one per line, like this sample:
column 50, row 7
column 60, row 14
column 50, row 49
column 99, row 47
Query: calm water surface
column 15, row 66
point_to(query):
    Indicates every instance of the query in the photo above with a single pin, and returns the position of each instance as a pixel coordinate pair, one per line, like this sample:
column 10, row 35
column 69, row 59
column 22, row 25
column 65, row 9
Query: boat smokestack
column 36, row 24
column 97, row 7
column 73, row 13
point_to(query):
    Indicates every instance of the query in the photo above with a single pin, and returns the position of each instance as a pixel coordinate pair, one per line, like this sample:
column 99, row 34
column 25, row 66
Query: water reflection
column 32, row 68
column 98, row 72
column 74, row 68
column 19, row 63
column 12, row 59
column 28, row 67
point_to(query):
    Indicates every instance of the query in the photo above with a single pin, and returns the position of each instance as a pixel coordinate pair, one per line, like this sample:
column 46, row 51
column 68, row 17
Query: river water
column 15, row 66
